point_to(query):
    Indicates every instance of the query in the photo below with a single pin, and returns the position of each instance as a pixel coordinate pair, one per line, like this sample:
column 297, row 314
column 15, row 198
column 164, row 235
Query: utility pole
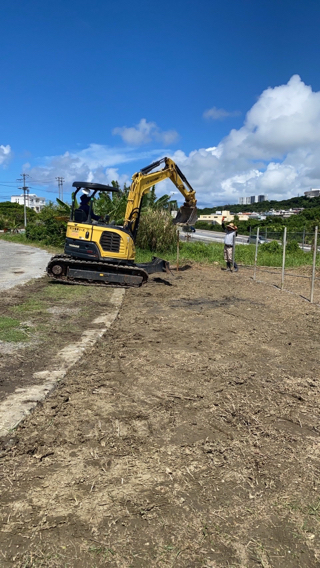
column 60, row 187
column 25, row 197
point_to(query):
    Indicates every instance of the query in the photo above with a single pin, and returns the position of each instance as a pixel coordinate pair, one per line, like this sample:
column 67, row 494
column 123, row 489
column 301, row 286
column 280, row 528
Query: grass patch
column 59, row 291
column 213, row 252
column 51, row 312
column 11, row 330
column 31, row 305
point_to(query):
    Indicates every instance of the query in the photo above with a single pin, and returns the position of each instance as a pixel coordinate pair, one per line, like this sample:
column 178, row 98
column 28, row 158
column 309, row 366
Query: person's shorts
column 227, row 253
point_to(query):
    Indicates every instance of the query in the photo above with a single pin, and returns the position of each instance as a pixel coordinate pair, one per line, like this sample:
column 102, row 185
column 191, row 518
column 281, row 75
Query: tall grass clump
column 156, row 233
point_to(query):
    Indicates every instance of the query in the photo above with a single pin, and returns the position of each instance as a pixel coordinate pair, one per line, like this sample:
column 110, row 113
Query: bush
column 156, row 232
column 272, row 247
column 293, row 246
column 208, row 226
column 50, row 232
column 15, row 212
column 47, row 228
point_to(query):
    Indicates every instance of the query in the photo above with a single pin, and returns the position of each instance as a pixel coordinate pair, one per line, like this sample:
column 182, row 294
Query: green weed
column 31, row 305
column 58, row 291
column 11, row 330
column 101, row 550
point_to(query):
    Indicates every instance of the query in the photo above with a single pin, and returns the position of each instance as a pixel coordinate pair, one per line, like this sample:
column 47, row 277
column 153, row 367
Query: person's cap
column 232, row 226
column 86, row 191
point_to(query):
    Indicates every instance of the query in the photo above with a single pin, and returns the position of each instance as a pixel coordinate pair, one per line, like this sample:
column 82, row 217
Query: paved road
column 20, row 263
column 211, row 236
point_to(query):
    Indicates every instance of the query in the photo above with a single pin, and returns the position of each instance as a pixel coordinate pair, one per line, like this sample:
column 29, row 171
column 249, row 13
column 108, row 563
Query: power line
column 25, row 189
column 60, row 187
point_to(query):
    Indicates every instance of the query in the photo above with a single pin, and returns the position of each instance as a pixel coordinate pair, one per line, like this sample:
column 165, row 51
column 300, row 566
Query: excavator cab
column 84, row 213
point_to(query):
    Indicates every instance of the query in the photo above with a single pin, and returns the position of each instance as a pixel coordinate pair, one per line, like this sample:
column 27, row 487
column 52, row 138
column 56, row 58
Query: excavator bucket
column 186, row 216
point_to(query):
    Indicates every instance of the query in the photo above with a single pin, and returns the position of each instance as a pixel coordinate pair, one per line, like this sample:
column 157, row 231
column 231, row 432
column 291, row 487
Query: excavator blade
column 156, row 265
column 186, row 216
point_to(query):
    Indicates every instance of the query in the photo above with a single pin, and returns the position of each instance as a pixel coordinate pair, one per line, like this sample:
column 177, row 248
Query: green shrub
column 156, row 232
column 50, row 232
column 47, row 228
column 272, row 247
column 15, row 213
column 293, row 246
column 208, row 226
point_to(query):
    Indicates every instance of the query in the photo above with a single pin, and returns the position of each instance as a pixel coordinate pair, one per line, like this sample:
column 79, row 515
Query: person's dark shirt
column 85, row 200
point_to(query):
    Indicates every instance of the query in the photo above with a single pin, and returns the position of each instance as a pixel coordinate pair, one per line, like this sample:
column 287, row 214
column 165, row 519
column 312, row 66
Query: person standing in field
column 229, row 243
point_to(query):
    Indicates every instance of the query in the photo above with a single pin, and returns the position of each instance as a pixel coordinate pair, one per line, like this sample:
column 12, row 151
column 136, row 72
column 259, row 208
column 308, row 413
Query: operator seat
column 80, row 216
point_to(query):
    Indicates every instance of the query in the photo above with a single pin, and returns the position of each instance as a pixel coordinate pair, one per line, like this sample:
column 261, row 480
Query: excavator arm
column 145, row 179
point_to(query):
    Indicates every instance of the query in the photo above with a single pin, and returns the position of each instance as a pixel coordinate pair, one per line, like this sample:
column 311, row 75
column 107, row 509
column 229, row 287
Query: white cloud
column 275, row 152
column 5, row 154
column 215, row 113
column 95, row 163
column 144, row 133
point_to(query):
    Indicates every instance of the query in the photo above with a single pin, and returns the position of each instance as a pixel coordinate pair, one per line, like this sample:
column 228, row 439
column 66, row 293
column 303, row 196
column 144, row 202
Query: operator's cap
column 86, row 191
column 232, row 227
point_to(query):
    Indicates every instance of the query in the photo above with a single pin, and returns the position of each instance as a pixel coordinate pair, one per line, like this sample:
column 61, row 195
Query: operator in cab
column 85, row 205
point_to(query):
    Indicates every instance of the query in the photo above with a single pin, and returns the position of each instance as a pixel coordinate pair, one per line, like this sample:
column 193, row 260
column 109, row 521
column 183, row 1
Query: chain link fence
column 303, row 238
column 302, row 280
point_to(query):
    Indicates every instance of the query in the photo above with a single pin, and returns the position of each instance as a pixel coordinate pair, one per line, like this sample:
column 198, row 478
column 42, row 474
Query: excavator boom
column 145, row 179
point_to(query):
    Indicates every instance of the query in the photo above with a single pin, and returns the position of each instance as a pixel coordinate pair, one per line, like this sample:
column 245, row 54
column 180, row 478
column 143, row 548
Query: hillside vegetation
column 307, row 220
column 292, row 203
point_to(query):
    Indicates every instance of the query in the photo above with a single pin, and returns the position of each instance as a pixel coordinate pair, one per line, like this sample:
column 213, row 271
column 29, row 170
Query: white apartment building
column 32, row 201
column 252, row 199
column 312, row 193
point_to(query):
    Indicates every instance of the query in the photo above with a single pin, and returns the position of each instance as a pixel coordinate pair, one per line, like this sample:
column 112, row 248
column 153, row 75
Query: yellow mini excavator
column 104, row 254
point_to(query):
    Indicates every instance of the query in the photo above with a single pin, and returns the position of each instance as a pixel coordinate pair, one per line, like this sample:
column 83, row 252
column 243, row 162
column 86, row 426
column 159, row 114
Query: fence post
column 256, row 255
column 178, row 249
column 315, row 246
column 266, row 232
column 303, row 237
column 283, row 256
column 233, row 250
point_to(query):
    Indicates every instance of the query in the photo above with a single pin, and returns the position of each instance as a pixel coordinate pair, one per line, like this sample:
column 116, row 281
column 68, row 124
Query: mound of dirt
column 188, row 437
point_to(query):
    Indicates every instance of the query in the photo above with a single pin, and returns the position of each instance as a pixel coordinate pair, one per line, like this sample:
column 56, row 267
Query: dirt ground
column 188, row 437
column 49, row 316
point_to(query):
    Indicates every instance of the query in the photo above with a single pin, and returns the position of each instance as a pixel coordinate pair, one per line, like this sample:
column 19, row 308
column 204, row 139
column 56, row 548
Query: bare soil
column 188, row 437
column 51, row 316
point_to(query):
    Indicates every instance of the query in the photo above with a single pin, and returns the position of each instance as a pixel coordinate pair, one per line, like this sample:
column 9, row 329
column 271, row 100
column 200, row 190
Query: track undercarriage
column 69, row 270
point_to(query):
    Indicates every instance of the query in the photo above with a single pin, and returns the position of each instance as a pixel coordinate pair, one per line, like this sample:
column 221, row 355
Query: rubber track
column 100, row 266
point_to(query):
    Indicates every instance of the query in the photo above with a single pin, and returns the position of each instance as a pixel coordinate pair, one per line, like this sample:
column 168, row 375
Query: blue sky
column 96, row 90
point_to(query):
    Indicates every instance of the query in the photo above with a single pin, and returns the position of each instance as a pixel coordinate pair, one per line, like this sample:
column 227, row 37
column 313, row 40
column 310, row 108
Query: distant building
column 252, row 199
column 216, row 218
column 244, row 200
column 32, row 201
column 312, row 193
